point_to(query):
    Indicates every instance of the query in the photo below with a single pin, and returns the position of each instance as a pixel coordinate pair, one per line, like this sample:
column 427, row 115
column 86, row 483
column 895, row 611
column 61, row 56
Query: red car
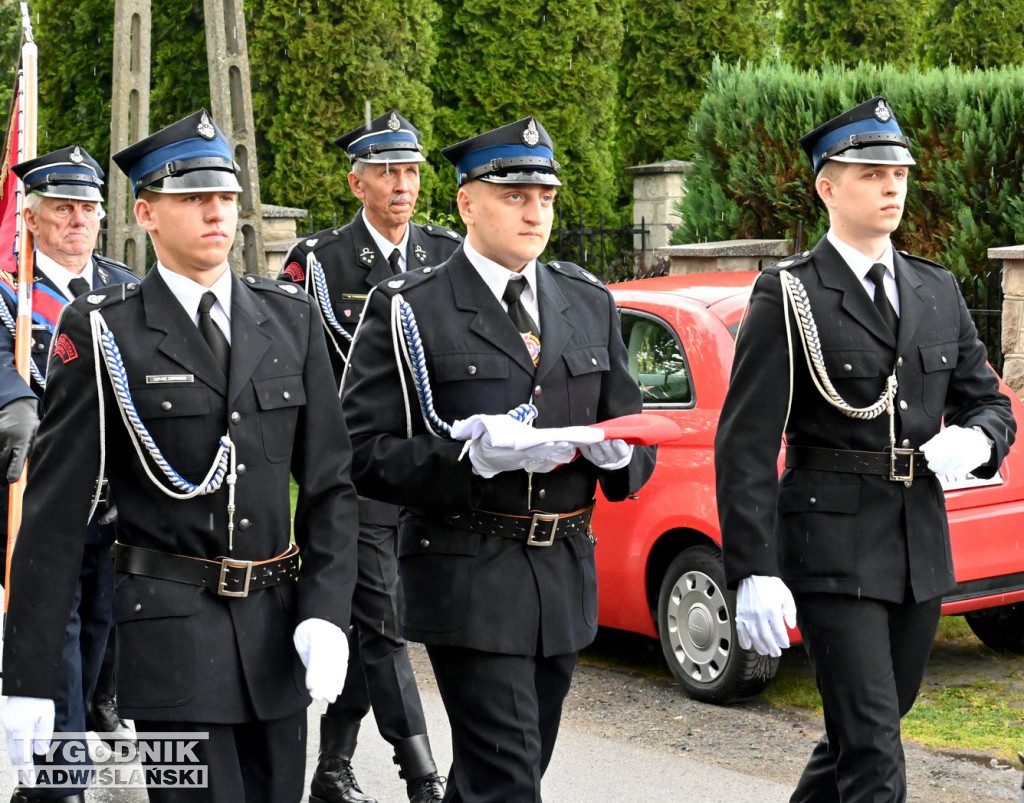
column 659, row 560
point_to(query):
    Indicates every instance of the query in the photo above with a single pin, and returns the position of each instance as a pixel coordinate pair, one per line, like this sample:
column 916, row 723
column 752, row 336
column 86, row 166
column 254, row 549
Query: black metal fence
column 984, row 297
column 613, row 253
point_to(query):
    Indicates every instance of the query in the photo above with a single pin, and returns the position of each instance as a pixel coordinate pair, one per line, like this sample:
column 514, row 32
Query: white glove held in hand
column 323, row 648
column 488, row 459
column 609, row 455
column 764, row 608
column 956, row 451
column 29, row 725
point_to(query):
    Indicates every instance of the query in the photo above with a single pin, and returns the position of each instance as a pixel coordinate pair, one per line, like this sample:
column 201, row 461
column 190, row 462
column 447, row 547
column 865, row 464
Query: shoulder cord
column 794, row 291
column 405, row 338
column 223, row 466
column 12, row 327
column 315, row 271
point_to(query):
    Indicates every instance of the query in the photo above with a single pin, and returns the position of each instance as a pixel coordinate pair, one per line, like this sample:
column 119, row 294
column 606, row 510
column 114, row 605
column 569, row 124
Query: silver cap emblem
column 393, row 122
column 75, row 157
column 882, row 112
column 205, row 127
column 530, row 134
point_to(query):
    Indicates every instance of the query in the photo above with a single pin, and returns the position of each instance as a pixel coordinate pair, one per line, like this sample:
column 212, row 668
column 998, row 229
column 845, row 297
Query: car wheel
column 696, row 624
column 1002, row 629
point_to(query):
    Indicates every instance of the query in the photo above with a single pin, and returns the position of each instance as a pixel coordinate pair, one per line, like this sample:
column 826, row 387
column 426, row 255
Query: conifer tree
column 981, row 33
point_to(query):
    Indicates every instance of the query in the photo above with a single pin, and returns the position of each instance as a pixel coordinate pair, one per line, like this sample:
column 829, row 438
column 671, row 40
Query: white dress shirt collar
column 189, row 292
column 385, row 246
column 61, row 276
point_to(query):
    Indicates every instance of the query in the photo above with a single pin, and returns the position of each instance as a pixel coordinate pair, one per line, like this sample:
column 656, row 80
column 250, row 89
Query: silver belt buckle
column 547, row 519
column 894, row 474
column 225, row 565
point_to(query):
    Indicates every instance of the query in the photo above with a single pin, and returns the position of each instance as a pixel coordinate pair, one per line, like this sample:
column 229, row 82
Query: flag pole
column 27, row 107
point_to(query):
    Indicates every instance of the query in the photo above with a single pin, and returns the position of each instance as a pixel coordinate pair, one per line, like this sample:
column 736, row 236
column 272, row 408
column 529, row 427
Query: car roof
column 724, row 293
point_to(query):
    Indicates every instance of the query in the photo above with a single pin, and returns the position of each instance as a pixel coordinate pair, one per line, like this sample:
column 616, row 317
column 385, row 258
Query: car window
column 656, row 360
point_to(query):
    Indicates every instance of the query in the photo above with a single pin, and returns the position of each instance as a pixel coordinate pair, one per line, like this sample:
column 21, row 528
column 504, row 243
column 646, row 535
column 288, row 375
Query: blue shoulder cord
column 12, row 327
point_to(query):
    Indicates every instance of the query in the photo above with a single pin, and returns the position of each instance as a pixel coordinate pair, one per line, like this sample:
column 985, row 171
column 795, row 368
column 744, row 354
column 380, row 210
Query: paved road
column 585, row 768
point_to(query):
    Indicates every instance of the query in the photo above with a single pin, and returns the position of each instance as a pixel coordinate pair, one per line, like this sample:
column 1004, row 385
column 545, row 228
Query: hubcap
column 699, row 626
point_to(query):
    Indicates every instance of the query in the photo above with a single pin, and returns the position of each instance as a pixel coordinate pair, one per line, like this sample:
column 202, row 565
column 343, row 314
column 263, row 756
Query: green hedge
column 967, row 134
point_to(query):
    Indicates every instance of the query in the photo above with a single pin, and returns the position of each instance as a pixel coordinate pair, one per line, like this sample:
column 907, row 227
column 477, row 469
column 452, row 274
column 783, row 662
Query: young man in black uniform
column 214, row 391
column 339, row 267
column 495, row 550
column 63, row 209
column 853, row 540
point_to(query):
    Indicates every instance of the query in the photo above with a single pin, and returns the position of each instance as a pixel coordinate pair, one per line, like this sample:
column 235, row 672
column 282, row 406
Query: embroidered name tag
column 166, row 379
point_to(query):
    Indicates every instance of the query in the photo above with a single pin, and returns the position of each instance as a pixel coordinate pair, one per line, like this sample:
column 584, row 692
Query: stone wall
column 1012, row 258
column 656, row 188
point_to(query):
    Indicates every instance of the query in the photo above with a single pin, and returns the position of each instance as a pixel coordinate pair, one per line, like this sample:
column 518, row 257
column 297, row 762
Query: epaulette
column 922, row 260
column 105, row 296
column 789, row 262
column 106, row 261
column 409, row 279
column 268, row 284
column 440, row 231
column 574, row 271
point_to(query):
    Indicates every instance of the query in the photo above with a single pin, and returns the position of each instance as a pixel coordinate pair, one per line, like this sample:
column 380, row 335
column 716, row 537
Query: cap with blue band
column 388, row 138
column 866, row 134
column 518, row 153
column 69, row 173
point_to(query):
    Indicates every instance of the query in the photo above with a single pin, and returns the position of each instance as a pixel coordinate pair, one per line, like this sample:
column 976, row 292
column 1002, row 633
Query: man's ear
column 355, row 184
column 31, row 220
column 465, row 203
column 144, row 214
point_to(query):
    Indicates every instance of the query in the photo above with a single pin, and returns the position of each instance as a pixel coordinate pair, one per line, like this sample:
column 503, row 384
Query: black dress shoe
column 428, row 789
column 334, row 782
column 108, row 725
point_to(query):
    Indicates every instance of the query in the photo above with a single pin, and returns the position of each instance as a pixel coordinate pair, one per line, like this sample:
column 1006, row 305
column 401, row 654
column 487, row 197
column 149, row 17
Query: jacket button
column 944, row 360
column 236, row 417
column 244, row 524
column 813, row 500
column 286, row 395
column 240, row 469
column 38, row 346
column 424, row 543
column 541, row 494
column 138, row 607
column 905, row 443
column 470, row 369
column 899, row 362
column 593, row 360
column 537, row 391
column 166, row 405
column 903, row 405
column 847, row 368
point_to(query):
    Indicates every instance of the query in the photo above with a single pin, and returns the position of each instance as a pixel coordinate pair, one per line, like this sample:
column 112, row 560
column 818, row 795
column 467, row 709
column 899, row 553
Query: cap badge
column 882, row 112
column 75, row 157
column 393, row 122
column 530, row 134
column 205, row 127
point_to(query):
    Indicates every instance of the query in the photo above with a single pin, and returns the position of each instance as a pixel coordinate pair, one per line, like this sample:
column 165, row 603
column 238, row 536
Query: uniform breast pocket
column 173, row 415
column 279, row 399
column 937, row 362
column 819, row 528
column 469, row 381
column 586, row 368
column 857, row 374
column 348, row 310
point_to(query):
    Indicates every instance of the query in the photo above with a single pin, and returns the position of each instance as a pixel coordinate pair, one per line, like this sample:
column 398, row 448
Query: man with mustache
column 852, row 544
column 338, row 267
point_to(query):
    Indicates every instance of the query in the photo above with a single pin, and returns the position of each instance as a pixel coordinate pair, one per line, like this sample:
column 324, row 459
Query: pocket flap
column 169, row 401
column 460, row 365
column 851, row 364
column 276, row 392
column 820, row 497
column 138, row 598
column 938, row 357
column 586, row 360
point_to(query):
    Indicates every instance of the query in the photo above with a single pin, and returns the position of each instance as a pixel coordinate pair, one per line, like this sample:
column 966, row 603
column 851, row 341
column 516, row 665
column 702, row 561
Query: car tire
column 1001, row 629
column 697, row 628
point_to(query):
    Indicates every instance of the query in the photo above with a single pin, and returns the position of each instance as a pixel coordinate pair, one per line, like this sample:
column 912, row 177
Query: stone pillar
column 1012, row 258
column 129, row 122
column 723, row 255
column 656, row 188
column 227, row 55
column 279, row 234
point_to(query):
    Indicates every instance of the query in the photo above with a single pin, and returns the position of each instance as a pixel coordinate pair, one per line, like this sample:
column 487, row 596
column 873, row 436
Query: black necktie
column 520, row 317
column 78, row 285
column 395, row 261
column 213, row 334
column 877, row 275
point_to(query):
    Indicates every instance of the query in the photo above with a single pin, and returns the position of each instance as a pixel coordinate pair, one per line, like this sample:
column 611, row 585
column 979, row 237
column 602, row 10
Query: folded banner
column 639, row 429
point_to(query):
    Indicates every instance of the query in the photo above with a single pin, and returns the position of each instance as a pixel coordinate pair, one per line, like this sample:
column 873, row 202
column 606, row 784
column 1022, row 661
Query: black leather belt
column 899, row 465
column 538, row 529
column 225, row 576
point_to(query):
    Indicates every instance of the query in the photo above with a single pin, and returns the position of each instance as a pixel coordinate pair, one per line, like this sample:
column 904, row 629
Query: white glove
column 323, row 648
column 609, row 455
column 488, row 459
column 957, row 451
column 29, row 725
column 764, row 608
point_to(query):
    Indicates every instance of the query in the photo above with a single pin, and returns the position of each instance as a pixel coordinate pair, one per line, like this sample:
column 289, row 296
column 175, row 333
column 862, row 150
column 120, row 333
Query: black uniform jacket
column 466, row 588
column 353, row 265
column 185, row 653
column 12, row 385
column 856, row 534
